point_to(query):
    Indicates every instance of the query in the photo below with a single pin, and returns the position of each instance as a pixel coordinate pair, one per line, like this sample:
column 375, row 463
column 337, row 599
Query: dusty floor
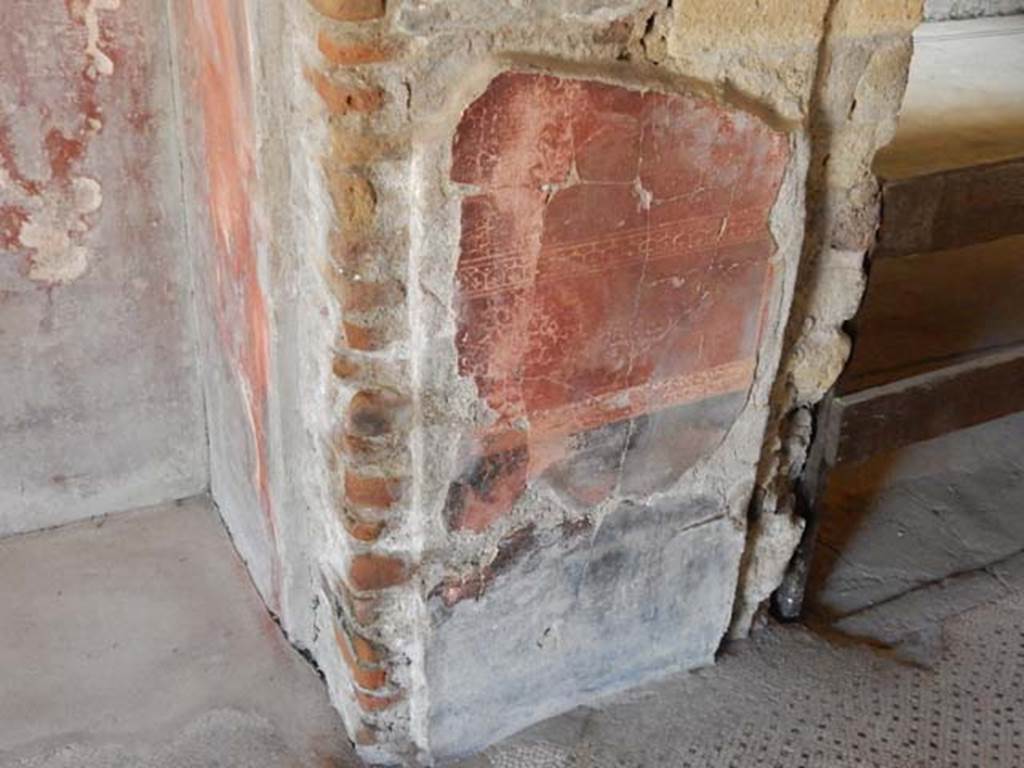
column 138, row 641
column 950, row 695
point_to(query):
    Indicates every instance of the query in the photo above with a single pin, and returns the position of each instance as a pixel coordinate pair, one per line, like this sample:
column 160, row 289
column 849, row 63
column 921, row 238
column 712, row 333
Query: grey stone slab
column 647, row 594
column 911, row 623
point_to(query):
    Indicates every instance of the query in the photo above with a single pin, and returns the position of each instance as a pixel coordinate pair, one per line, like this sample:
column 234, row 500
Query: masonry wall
column 524, row 275
column 100, row 405
column 509, row 549
column 512, row 317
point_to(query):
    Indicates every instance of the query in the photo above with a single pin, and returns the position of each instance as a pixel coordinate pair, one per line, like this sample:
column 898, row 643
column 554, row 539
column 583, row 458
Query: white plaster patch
column 823, row 349
column 773, row 542
column 87, row 12
column 52, row 229
column 55, row 226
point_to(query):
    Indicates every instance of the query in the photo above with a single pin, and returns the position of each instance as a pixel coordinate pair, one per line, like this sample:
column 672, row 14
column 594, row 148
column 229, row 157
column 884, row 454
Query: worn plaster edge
column 739, row 448
column 193, row 153
column 419, row 693
column 325, row 400
column 647, row 76
column 788, row 225
column 560, row 700
column 275, row 49
column 189, row 237
column 270, row 35
column 263, row 229
column 302, row 218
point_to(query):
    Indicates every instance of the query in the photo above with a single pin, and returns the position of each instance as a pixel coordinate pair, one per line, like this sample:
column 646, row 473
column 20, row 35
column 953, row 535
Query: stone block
column 737, row 24
column 648, row 592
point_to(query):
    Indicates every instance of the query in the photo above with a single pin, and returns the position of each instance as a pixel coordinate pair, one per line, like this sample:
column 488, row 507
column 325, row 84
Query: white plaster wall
column 100, row 405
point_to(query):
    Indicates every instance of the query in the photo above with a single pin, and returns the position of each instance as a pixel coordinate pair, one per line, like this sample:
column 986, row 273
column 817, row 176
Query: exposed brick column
column 367, row 576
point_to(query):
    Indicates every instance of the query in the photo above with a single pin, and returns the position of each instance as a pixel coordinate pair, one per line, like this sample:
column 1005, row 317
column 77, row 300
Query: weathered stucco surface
column 428, row 612
column 100, row 408
column 464, row 493
column 512, row 317
column 614, row 261
column 257, row 212
column 849, row 108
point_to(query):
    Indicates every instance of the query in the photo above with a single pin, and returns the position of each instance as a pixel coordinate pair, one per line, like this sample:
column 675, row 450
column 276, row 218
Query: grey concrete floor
column 137, row 640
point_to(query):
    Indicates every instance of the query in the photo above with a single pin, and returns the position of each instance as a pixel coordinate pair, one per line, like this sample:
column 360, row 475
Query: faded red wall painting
column 217, row 36
column 54, row 59
column 613, row 272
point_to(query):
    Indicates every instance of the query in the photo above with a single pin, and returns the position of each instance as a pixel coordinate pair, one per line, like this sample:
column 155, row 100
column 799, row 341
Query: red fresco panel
column 614, row 263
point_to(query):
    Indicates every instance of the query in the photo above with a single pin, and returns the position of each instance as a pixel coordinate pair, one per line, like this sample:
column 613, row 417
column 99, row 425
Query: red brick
column 367, row 295
column 371, row 492
column 371, row 573
column 355, row 201
column 350, row 10
column 344, row 99
column 366, row 675
column 351, row 53
column 351, row 147
column 375, row 412
column 366, row 651
column 360, row 528
column 369, row 254
column 371, row 703
column 348, row 254
column 346, row 367
column 365, row 338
